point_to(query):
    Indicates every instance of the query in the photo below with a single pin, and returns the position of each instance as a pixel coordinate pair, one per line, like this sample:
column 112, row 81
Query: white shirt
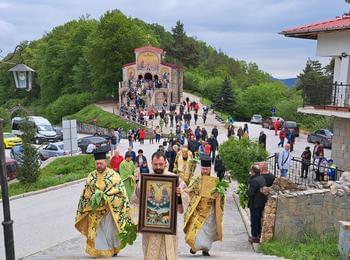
column 90, row 148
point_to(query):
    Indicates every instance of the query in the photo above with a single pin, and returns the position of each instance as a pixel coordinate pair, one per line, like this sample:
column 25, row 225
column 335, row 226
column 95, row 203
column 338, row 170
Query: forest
column 80, row 62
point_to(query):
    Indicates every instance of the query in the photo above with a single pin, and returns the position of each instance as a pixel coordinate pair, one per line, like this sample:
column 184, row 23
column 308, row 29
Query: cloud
column 244, row 29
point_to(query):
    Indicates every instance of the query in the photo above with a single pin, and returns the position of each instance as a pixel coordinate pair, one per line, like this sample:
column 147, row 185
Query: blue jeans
column 284, row 172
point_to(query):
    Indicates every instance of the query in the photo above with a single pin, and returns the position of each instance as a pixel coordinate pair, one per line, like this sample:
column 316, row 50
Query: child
column 331, row 172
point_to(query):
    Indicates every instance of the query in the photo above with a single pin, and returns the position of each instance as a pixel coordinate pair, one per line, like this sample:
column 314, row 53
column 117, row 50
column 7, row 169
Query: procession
column 150, row 200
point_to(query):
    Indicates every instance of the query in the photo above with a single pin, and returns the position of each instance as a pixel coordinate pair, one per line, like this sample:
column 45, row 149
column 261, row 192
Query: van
column 43, row 128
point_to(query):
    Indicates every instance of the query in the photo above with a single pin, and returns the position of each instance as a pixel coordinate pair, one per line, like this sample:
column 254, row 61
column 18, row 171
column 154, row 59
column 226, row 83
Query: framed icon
column 158, row 203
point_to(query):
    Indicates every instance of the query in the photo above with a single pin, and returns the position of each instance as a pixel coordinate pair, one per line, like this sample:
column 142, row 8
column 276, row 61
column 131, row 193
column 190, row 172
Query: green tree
column 238, row 156
column 29, row 168
column 316, row 83
column 225, row 100
column 111, row 46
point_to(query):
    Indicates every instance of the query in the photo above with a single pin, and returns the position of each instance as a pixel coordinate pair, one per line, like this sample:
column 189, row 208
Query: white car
column 256, row 119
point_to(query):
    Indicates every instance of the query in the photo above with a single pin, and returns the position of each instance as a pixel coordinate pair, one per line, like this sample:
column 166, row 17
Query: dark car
column 268, row 122
column 288, row 125
column 11, row 168
column 324, row 136
column 59, row 133
column 52, row 150
column 96, row 140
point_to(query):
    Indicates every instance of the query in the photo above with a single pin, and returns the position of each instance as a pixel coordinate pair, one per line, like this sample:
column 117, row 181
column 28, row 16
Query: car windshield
column 257, row 116
column 291, row 124
column 45, row 128
column 97, row 139
column 9, row 135
column 328, row 132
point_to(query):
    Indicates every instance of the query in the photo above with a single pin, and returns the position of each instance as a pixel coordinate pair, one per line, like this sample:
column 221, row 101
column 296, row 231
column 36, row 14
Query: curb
column 244, row 217
column 32, row 193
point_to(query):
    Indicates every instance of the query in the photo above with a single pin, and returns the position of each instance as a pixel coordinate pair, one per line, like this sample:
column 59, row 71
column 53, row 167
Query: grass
column 62, row 170
column 103, row 118
column 311, row 247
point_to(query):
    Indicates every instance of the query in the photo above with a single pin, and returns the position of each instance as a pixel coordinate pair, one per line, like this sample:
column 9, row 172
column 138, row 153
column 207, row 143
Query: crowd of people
column 120, row 184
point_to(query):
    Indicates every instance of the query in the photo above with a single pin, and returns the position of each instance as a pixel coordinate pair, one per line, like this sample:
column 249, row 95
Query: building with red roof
column 155, row 81
column 333, row 41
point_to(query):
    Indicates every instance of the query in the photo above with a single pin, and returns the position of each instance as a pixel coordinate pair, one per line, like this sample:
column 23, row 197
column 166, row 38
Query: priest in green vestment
column 127, row 170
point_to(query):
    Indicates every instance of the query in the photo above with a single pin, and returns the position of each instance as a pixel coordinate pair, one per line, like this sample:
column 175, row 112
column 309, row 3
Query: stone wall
column 341, row 143
column 310, row 211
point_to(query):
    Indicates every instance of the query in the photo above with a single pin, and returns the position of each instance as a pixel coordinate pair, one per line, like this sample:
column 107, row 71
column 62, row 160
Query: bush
column 103, row 118
column 311, row 247
column 66, row 105
column 239, row 155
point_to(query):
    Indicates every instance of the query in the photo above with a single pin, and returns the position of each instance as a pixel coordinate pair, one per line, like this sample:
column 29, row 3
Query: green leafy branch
column 221, row 187
column 98, row 198
column 128, row 235
column 242, row 192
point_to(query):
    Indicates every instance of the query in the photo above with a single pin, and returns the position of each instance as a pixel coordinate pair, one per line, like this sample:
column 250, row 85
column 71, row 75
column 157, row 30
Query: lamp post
column 23, row 76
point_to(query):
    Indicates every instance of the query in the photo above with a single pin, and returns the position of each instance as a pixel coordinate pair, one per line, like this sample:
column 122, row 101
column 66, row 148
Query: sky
column 243, row 29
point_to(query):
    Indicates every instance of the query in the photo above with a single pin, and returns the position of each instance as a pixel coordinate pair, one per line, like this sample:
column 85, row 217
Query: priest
column 203, row 217
column 101, row 220
column 184, row 165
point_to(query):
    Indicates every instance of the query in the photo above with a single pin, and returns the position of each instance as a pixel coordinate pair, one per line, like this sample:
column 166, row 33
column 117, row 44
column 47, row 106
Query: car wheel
column 37, row 141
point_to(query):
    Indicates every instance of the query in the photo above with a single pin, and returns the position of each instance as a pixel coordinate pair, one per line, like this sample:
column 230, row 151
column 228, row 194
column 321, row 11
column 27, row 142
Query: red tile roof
column 149, row 48
column 129, row 64
column 310, row 31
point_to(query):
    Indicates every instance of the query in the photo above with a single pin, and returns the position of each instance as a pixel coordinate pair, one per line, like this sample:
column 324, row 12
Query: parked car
column 11, row 140
column 268, row 122
column 256, row 119
column 288, row 125
column 96, row 140
column 52, row 150
column 11, row 168
column 324, row 136
column 17, row 153
column 44, row 131
column 59, row 133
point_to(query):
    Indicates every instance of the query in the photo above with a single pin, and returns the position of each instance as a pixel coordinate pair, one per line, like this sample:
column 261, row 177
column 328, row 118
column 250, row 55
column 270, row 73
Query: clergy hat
column 100, row 155
column 205, row 161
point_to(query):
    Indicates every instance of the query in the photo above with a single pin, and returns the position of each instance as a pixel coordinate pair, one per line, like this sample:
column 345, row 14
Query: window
column 51, row 147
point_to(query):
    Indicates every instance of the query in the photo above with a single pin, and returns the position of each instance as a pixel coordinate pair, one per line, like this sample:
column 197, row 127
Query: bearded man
column 101, row 223
column 184, row 165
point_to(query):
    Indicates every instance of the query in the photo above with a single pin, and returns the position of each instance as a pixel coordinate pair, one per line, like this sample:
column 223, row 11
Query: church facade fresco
column 150, row 79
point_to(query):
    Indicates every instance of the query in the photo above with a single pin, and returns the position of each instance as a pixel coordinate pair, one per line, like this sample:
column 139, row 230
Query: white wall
column 333, row 44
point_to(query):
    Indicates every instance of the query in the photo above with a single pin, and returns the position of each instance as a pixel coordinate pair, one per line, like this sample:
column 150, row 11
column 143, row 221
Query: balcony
column 329, row 100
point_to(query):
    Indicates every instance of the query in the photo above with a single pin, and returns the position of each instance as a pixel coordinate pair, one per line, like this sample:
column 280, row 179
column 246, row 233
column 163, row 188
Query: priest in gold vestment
column 184, row 165
column 100, row 223
column 203, row 217
column 161, row 246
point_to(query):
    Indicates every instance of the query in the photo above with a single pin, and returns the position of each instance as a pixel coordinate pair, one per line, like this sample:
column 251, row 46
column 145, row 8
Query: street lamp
column 23, row 76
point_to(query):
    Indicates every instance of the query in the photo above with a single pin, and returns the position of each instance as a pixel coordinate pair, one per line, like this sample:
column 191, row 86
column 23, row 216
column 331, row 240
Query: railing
column 327, row 95
column 294, row 171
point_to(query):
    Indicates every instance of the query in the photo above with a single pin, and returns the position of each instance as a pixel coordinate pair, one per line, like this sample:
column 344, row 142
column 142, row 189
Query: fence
column 294, row 171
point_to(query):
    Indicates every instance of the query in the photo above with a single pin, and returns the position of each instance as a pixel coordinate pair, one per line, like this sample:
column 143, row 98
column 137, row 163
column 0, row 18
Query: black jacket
column 269, row 179
column 215, row 132
column 255, row 198
column 193, row 146
column 219, row 164
column 262, row 139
